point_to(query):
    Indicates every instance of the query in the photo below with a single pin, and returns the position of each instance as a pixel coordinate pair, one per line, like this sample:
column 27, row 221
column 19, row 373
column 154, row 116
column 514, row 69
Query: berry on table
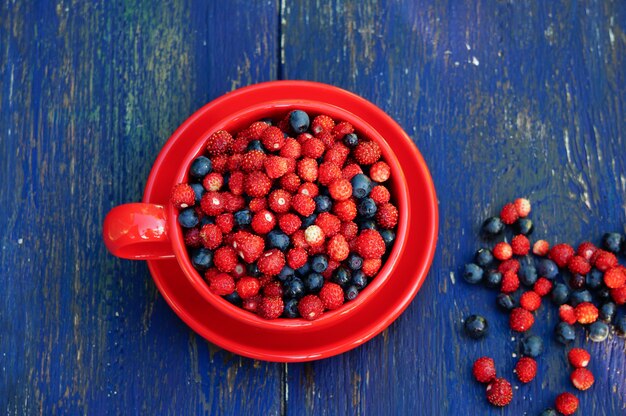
column 509, row 214
column 522, row 206
column 566, row 403
column 578, row 357
column 565, row 333
column 567, row 314
column 532, row 346
column 476, row 326
column 561, row 254
column 613, row 242
column 502, row 251
column 510, row 282
column 521, row 320
column 520, row 245
column 582, row 378
column 526, row 369
column 598, row 331
column 542, row 286
column 484, row 370
column 499, row 392
column 586, row 313
column 492, row 227
column 541, row 248
column 530, row 301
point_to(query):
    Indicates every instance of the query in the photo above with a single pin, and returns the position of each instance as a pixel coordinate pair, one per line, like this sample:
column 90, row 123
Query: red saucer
column 392, row 298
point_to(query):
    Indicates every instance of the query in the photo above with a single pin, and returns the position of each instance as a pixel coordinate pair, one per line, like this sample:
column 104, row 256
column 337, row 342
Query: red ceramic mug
column 150, row 232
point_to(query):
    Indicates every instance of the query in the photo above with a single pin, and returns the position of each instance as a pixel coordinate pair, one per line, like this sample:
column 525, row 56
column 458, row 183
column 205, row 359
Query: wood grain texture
column 90, row 92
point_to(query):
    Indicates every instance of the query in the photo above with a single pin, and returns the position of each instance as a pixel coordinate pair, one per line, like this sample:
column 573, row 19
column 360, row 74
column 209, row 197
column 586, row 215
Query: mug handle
column 137, row 231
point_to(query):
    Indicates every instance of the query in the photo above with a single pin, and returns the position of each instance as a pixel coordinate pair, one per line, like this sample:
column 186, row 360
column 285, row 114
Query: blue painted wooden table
column 503, row 99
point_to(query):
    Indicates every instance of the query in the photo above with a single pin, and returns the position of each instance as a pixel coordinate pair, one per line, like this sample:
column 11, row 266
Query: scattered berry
column 484, row 370
column 566, row 403
column 582, row 378
column 521, row 320
column 499, row 392
column 526, row 369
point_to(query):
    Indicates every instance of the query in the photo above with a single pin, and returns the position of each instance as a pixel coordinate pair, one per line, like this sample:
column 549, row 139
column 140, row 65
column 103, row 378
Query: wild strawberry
column 521, row 320
column 182, row 196
column 367, row 152
column 502, row 251
column 566, row 403
column 586, row 250
column 337, row 154
column 219, row 143
column 526, row 369
column 256, row 129
column 222, row 284
column 586, row 313
column 329, row 223
column 307, row 169
column 291, row 149
column 273, row 288
column 619, row 295
column 296, row 257
column 349, row 171
column 239, row 145
column 252, row 304
column 578, row 265
column 248, row 287
column 253, row 160
column 220, row 163
column 542, row 286
column 327, row 139
column 582, row 378
column 235, row 183
column 603, row 260
column 541, row 248
column 310, row 307
column 484, row 369
column 240, row 270
column 371, row 266
column 290, row 182
column 331, row 295
column 349, row 230
column 313, row 148
column 248, row 246
column 561, row 254
column 275, row 166
column 499, row 392
column 192, row 238
column 520, row 245
column 578, row 357
column 567, row 314
column 332, row 266
column 263, row 222
column 340, row 189
column 233, row 203
column 316, row 249
column 328, row 172
column 345, row 210
column 510, row 282
column 234, row 162
column 225, row 259
column 226, row 222
column 212, row 203
column 337, row 248
column 510, row 264
column 271, row 262
column 342, row 128
column 273, row 139
column 522, row 205
column 387, row 215
column 279, row 201
column 314, row 235
column 380, row 171
column 370, row 245
column 322, row 123
column 530, row 301
column 257, row 204
column 299, row 240
column 303, row 137
column 289, row 223
column 211, row 236
column 614, row 277
column 303, row 204
column 270, row 307
column 210, row 274
column 509, row 214
column 257, row 184
column 309, row 189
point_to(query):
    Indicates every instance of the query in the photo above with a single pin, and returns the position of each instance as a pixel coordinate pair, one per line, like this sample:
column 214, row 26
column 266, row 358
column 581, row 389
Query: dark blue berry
column 201, row 259
column 342, row 276
column 304, row 270
column 243, row 217
column 200, row 167
column 564, row 332
column 319, row 263
column 580, row 296
column 322, row 203
column 351, row 293
column 532, row 346
column 483, row 257
column 560, row 294
column 613, row 242
column 313, row 282
column 255, row 145
column 299, row 121
column 604, row 293
column 472, row 273
column 233, row 298
column 367, row 225
column 253, row 270
column 294, row 288
column 291, row 309
column 620, row 325
column 359, row 279
column 607, row 311
column 277, row 239
column 354, row 261
column 361, row 185
column 598, row 331
column 188, row 218
column 547, row 268
column 388, row 237
column 527, row 273
column 226, row 178
column 367, row 208
column 492, row 227
column 594, row 279
column 476, row 326
column 350, row 140
column 198, row 190
column 577, row 281
column 492, row 278
column 524, row 226
column 285, row 274
column 207, row 220
column 506, row 302
column 549, row 412
column 310, row 220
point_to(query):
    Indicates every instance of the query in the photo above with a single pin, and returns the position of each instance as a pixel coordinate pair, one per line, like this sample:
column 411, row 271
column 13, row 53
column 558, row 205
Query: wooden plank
column 90, row 92
column 503, row 99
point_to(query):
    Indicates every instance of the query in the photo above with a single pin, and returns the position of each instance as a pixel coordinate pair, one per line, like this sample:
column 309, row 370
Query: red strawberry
column 499, row 392
column 212, row 203
column 586, row 250
column 530, row 301
column 327, row 139
column 566, row 403
column 192, row 238
column 273, row 139
column 509, row 214
column 522, row 206
column 219, row 143
column 541, row 248
column 582, row 378
column 614, row 277
column 220, row 163
column 273, row 288
column 233, row 203
column 298, row 240
column 331, row 295
column 279, row 201
column 310, row 307
column 314, row 235
column 578, row 265
column 263, row 222
column 226, row 222
column 345, row 210
column 303, row 204
column 567, row 314
column 380, row 171
column 337, row 154
column 329, row 223
column 225, row 259
column 296, row 257
column 253, row 160
column 340, row 189
column 257, row 204
column 234, row 162
column 561, row 254
column 211, row 236
column 322, row 123
column 521, row 320
column 542, row 286
column 257, row 184
column 240, row 270
column 619, row 295
column 275, row 166
column 578, row 357
column 313, row 148
column 349, row 230
column 603, row 260
column 239, row 145
column 255, row 130
column 349, row 171
column 484, row 369
column 222, row 284
column 291, row 149
column 337, row 248
column 235, row 183
column 510, row 282
column 270, row 307
column 526, row 369
column 303, row 137
column 502, row 251
column 248, row 287
column 371, row 266
column 309, row 189
column 387, row 215
column 367, row 152
column 520, row 245
column 271, row 262
column 342, row 128
column 290, row 182
column 252, row 304
column 182, row 196
column 586, row 313
column 370, row 245
column 289, row 223
column 307, row 169
column 328, row 172
column 509, row 265
column 248, row 246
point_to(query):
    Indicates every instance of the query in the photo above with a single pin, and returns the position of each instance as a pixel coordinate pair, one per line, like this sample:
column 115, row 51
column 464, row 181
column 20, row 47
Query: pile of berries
column 587, row 284
column 288, row 219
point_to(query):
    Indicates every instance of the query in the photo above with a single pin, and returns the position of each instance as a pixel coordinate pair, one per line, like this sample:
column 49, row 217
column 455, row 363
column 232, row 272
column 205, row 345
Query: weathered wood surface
column 502, row 98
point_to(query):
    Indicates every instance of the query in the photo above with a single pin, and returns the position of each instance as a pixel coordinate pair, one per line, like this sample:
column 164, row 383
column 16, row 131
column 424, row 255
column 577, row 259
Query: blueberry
column 200, row 167
column 492, row 227
column 226, row 178
column 253, row 270
column 549, row 412
column 598, row 331
column 604, row 293
column 580, row 296
column 607, row 311
column 291, row 309
column 294, row 288
column 285, row 274
column 532, row 346
column 527, row 274
column 351, row 293
column 620, row 325
column 198, row 190
column 304, row 270
column 367, row 225
column 202, row 259
column 472, row 273
column 319, row 263
column 322, row 203
column 564, row 333
column 310, row 220
column 342, row 276
column 277, row 239
column 388, row 237
column 560, row 294
column 207, row 220
column 367, row 208
column 492, row 278
column 613, row 242
column 476, row 326
column 524, row 226
column 547, row 268
column 594, row 279
column 233, row 298
column 354, row 261
column 313, row 282
column 577, row 281
column 267, row 121
column 359, row 279
column 299, row 121
column 361, row 185
column 350, row 140
column 506, row 302
column 187, row 218
column 483, row 257
column 255, row 145
column 243, row 217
